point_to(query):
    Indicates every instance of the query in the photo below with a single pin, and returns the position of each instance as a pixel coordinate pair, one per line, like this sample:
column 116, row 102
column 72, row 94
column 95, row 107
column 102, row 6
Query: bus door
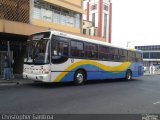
column 59, row 56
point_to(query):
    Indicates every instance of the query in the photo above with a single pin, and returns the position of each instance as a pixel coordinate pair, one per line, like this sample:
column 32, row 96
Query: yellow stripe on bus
column 118, row 68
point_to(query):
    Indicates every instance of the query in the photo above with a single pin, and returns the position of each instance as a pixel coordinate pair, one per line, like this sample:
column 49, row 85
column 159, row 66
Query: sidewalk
column 155, row 73
column 15, row 81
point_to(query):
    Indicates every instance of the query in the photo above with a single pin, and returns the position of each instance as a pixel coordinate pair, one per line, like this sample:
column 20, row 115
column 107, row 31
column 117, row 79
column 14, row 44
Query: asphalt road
column 138, row 96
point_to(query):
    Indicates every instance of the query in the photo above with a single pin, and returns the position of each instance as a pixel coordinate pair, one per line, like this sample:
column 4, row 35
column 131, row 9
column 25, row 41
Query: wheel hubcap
column 80, row 77
column 129, row 76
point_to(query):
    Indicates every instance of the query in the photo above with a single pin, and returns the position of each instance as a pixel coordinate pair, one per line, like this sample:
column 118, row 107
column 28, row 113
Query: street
column 138, row 96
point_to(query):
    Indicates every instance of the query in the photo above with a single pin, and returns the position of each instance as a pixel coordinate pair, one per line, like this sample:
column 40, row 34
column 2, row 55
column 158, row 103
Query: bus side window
column 102, row 53
column 116, row 55
column 139, row 57
column 129, row 56
column 77, row 49
column 91, row 51
column 60, row 51
column 123, row 56
column 111, row 53
column 60, row 48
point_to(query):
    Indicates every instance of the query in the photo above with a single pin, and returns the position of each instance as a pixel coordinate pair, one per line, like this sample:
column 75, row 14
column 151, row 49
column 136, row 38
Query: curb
column 14, row 81
column 148, row 74
column 151, row 75
column 9, row 83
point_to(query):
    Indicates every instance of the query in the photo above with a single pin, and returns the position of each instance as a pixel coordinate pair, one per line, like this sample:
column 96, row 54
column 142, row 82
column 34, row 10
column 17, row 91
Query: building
column 89, row 29
column 99, row 13
column 151, row 54
column 63, row 15
column 20, row 18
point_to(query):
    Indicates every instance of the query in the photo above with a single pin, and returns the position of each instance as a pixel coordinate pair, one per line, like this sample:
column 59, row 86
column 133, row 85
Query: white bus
column 54, row 56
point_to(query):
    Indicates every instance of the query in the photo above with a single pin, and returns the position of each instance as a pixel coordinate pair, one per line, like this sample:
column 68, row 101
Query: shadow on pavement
column 71, row 84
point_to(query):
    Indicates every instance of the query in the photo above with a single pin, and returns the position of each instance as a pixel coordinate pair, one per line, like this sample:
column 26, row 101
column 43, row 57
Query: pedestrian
column 6, row 72
column 153, row 69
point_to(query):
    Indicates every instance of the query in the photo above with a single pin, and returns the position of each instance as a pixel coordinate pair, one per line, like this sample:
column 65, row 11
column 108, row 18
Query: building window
column 77, row 20
column 154, row 55
column 63, row 19
column 50, row 13
column 84, row 31
column 105, row 7
column 93, row 19
column 37, row 12
column 56, row 17
column 94, row 7
column 146, row 55
column 89, row 31
column 105, row 26
column 46, row 15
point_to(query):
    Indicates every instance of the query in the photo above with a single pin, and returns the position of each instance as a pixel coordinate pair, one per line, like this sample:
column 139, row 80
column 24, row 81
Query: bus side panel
column 67, row 78
column 59, row 72
column 96, row 70
column 65, row 72
column 91, row 71
column 112, row 72
column 112, row 75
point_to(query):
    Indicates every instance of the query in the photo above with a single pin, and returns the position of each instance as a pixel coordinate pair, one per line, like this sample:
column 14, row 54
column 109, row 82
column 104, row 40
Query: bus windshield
column 37, row 51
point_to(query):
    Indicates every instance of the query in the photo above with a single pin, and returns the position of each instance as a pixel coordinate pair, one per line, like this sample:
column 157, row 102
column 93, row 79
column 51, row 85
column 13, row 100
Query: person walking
column 151, row 68
column 6, row 72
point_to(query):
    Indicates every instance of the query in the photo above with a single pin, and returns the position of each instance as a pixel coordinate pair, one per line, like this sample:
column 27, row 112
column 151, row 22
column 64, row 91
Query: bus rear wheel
column 79, row 77
column 128, row 75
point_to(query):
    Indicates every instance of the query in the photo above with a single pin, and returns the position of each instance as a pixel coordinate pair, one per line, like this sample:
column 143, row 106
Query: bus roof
column 75, row 36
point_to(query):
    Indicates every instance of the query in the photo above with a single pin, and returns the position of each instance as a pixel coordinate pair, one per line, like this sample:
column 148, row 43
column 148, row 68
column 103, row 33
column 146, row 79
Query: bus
column 54, row 56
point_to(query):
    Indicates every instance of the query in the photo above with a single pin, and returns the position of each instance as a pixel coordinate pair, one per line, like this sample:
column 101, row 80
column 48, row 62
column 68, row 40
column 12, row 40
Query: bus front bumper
column 41, row 77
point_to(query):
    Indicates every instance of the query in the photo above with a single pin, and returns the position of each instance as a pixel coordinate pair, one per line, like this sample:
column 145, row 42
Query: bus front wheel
column 79, row 77
column 128, row 75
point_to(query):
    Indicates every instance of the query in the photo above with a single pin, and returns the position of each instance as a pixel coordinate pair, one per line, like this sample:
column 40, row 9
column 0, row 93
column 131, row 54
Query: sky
column 136, row 22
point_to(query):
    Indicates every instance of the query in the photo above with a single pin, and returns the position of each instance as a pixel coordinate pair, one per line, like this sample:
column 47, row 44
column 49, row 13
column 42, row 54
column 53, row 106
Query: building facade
column 99, row 12
column 151, row 55
column 89, row 29
column 20, row 18
column 63, row 15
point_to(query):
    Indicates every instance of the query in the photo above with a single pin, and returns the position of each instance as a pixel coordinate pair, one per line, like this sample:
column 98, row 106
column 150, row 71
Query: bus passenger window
column 61, row 49
column 104, row 53
column 91, row 50
column 77, row 49
column 59, row 52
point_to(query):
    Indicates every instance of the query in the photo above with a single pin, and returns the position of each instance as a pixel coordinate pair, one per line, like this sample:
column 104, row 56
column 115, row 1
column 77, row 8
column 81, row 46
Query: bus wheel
column 79, row 77
column 128, row 75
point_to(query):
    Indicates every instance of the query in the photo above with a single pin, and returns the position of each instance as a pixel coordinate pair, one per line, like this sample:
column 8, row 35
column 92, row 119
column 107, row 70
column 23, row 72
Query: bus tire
column 128, row 75
column 79, row 77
